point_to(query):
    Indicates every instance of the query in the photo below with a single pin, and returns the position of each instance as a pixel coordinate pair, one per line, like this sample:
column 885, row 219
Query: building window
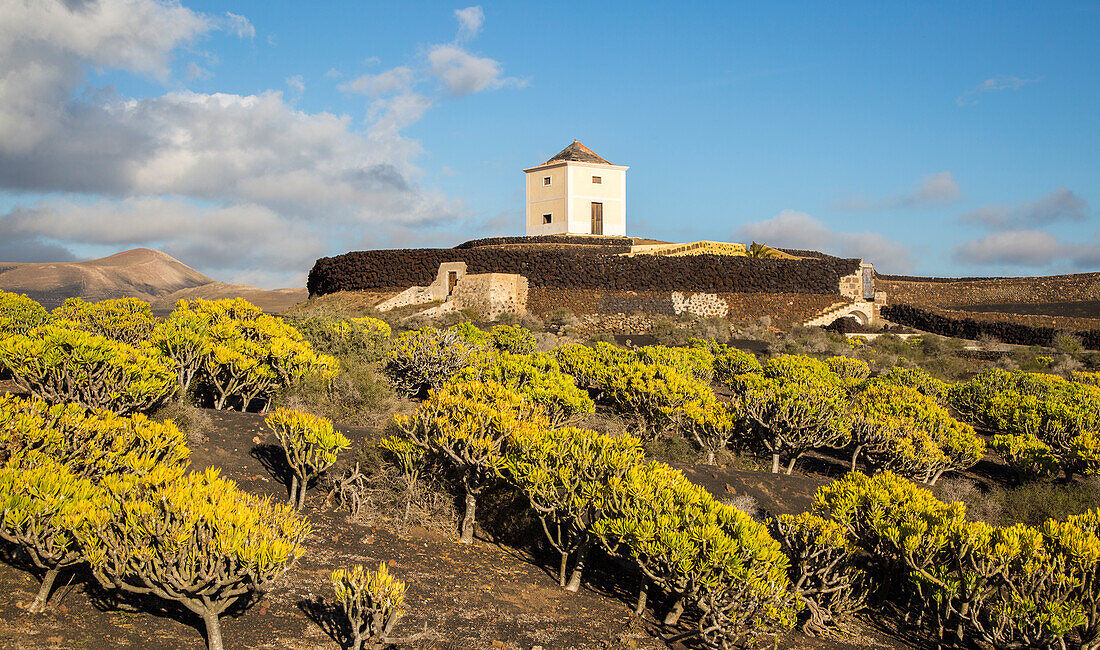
column 545, row 180
column 547, row 218
column 597, row 180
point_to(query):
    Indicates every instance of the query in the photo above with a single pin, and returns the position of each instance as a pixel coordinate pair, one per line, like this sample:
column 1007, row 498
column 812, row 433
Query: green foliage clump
column 898, row 429
column 848, row 368
column 93, row 445
column 538, row 378
column 728, row 361
column 128, row 320
column 360, row 338
column 512, row 339
column 795, row 404
column 703, row 553
column 712, row 425
column 371, row 601
column 565, row 473
column 311, row 445
column 251, row 354
column 916, row 378
column 652, row 396
column 695, row 362
column 1085, row 377
column 43, row 506
column 426, row 359
column 20, row 314
column 470, row 333
column 1046, row 423
column 197, row 540
column 62, row 365
column 466, row 424
column 970, row 582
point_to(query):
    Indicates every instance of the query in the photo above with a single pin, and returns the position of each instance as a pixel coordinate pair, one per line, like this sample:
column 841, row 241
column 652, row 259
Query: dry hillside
column 141, row 273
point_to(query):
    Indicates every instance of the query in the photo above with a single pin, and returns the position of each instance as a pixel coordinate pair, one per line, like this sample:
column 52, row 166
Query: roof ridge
column 577, row 152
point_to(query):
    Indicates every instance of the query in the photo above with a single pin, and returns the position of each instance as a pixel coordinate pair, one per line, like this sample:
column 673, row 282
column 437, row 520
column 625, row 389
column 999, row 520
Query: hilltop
column 144, row 273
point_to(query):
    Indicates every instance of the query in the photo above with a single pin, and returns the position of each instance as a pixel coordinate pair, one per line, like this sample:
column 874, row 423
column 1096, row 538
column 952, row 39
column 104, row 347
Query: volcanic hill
column 150, row 275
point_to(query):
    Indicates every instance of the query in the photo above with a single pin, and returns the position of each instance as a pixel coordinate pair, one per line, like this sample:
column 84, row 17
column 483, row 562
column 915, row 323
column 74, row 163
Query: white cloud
column 1029, row 248
column 196, row 71
column 1011, row 248
column 383, row 83
column 1061, row 205
column 795, row 229
column 296, row 83
column 933, row 190
column 470, row 21
column 1002, row 82
column 238, row 25
column 247, row 183
column 463, row 73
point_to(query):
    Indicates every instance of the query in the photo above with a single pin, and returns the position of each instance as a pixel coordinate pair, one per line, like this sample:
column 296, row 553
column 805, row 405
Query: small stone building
column 576, row 193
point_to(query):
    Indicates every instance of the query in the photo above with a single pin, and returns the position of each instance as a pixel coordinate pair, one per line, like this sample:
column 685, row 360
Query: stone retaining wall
column 565, row 269
column 939, row 292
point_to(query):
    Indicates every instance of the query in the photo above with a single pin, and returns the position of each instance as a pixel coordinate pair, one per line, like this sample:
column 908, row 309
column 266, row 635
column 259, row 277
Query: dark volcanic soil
column 480, row 596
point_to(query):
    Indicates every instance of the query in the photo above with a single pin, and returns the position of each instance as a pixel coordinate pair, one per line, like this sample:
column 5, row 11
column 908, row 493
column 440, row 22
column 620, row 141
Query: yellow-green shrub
column 92, row 445
column 362, row 338
column 43, row 505
column 62, row 365
column 311, row 445
column 848, row 368
column 695, row 362
column 513, row 339
column 198, row 540
column 1083, row 377
column 251, row 354
column 121, row 319
column 184, row 337
column 372, row 602
column 796, row 403
column 702, row 552
column 1061, row 415
column 466, row 425
column 19, row 314
column 898, row 429
column 711, row 424
column 916, row 378
column 470, row 333
column 968, row 582
column 650, row 395
column 425, row 359
column 565, row 473
column 728, row 361
column 537, row 377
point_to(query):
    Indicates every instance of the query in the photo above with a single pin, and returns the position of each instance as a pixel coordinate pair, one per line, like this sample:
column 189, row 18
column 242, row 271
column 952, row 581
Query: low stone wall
column 942, row 292
column 968, row 328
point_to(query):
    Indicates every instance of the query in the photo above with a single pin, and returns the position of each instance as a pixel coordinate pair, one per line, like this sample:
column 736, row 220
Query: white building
column 578, row 193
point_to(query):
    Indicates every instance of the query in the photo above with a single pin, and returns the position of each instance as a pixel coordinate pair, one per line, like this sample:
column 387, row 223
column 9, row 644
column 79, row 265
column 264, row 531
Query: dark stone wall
column 565, row 269
column 968, row 328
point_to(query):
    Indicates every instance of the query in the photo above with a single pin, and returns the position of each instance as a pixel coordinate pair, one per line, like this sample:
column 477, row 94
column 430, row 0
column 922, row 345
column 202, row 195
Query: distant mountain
column 141, row 273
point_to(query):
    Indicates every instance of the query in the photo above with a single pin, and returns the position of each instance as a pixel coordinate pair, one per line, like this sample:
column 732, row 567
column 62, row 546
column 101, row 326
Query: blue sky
column 249, row 138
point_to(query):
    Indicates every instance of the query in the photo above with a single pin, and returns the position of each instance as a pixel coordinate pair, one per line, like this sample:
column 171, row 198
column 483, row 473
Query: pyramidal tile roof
column 577, row 152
